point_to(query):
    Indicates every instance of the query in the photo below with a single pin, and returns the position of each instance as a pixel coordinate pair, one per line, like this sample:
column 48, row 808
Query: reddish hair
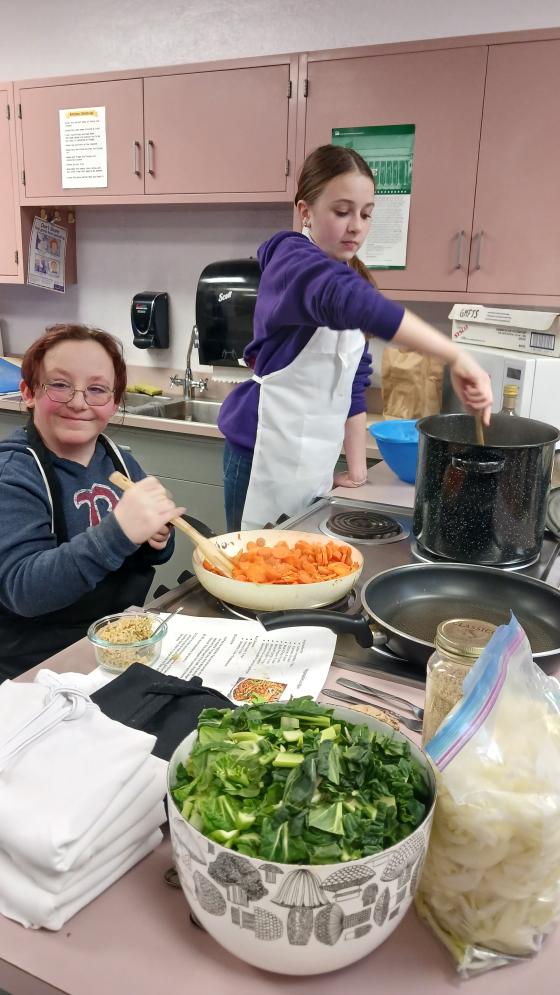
column 73, row 333
column 321, row 166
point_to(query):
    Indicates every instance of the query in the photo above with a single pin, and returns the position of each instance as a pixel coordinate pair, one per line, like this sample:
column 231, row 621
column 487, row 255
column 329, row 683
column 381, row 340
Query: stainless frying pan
column 403, row 607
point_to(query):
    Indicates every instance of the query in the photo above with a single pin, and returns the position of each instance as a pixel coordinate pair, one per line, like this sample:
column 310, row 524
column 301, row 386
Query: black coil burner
column 369, row 527
column 425, row 556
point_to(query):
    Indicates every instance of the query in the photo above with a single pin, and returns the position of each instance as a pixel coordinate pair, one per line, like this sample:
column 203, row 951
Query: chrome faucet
column 187, row 383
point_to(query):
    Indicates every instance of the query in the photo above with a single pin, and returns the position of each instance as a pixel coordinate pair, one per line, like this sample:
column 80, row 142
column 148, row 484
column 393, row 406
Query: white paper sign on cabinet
column 389, row 152
column 83, row 147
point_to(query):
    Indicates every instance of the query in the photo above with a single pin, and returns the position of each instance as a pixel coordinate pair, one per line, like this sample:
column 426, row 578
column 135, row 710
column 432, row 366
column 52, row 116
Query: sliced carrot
column 304, row 563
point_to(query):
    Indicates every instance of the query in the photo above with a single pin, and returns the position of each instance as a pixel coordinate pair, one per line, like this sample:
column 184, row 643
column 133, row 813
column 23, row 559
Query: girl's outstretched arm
column 470, row 382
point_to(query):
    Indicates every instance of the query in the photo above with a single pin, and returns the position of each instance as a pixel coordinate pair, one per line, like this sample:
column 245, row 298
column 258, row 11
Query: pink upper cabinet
column 441, row 93
column 219, row 131
column 40, row 131
column 9, row 234
column 518, row 190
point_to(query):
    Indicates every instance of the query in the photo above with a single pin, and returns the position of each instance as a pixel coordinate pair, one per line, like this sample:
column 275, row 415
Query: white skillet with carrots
column 277, row 569
column 271, row 569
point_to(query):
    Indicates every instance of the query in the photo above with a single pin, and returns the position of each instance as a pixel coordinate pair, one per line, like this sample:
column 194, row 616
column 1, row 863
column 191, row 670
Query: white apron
column 300, row 433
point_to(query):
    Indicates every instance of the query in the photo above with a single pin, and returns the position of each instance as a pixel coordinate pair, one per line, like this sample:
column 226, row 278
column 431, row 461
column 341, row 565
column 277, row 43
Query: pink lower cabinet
column 40, row 152
column 441, row 93
column 219, row 132
column 10, row 232
column 516, row 229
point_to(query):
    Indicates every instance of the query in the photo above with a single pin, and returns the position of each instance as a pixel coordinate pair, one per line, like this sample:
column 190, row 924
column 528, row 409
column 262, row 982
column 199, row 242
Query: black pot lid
column 553, row 512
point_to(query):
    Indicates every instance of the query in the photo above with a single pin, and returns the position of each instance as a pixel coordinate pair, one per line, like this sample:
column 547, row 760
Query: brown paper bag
column 411, row 384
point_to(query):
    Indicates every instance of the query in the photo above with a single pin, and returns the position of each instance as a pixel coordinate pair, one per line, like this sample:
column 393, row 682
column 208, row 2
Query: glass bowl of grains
column 129, row 637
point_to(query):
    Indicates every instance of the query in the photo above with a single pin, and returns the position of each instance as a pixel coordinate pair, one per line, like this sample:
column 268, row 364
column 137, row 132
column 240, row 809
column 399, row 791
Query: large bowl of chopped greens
column 299, row 831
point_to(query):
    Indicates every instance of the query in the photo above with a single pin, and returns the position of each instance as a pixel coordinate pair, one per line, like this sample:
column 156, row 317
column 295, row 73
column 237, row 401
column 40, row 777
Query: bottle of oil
column 510, row 395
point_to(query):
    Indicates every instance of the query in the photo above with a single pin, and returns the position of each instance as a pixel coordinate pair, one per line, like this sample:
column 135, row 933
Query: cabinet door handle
column 150, row 156
column 478, row 237
column 459, row 248
column 136, row 158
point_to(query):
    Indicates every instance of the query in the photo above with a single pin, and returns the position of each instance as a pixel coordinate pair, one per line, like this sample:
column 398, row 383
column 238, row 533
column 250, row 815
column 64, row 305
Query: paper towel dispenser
column 225, row 305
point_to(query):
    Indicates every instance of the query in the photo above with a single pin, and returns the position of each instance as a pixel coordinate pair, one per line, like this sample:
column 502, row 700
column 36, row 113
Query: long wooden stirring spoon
column 478, row 429
column 211, row 552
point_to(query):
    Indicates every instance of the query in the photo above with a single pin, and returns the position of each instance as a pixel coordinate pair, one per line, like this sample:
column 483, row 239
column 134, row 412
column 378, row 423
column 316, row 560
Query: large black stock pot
column 486, row 504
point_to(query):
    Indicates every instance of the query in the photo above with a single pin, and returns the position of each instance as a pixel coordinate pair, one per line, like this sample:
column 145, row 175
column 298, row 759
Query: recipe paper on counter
column 245, row 662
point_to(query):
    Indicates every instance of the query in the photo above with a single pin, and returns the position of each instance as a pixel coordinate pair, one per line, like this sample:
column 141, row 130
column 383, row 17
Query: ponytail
column 362, row 270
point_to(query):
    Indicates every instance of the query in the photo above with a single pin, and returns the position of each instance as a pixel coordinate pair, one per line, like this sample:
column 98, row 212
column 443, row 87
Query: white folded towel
column 33, row 907
column 64, row 771
column 16, row 881
column 137, row 798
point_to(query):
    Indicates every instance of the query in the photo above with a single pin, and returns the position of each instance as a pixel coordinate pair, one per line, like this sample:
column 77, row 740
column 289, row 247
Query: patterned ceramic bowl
column 294, row 918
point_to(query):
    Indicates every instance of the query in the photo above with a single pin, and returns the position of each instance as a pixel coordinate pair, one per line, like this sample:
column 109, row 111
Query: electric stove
column 383, row 534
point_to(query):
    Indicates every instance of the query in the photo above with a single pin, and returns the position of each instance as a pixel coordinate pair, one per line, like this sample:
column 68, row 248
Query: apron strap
column 114, row 454
column 60, row 705
column 42, row 457
column 46, row 483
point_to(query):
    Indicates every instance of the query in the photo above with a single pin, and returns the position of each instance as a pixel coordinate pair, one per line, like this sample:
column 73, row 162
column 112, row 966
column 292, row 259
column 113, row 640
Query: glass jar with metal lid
column 458, row 644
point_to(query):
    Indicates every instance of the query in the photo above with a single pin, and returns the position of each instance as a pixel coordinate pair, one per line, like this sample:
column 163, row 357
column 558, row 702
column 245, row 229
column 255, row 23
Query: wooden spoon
column 478, row 429
column 211, row 552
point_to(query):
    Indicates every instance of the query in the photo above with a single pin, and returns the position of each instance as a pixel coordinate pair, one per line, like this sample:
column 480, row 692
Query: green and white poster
column 388, row 151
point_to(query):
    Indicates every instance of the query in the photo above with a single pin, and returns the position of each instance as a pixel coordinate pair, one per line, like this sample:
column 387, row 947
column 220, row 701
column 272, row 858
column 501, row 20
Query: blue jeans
column 237, row 471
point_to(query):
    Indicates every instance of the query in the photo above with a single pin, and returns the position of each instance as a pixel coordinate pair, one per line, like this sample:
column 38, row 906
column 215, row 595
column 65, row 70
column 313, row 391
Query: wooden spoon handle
column 207, row 548
column 479, row 429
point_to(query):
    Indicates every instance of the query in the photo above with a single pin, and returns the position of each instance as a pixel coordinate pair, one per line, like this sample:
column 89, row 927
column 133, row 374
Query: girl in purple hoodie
column 316, row 306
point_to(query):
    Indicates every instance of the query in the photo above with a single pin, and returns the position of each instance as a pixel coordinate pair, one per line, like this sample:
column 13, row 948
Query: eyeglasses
column 95, row 395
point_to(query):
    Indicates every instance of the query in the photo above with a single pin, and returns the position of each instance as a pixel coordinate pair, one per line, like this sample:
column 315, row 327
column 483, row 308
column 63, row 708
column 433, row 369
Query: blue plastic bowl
column 398, row 444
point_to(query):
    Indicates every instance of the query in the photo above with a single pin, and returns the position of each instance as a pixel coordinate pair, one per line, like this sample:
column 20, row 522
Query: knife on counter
column 413, row 724
column 392, row 699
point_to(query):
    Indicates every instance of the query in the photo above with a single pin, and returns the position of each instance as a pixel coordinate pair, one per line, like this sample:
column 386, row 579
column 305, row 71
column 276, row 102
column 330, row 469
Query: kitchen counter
column 130, row 420
column 219, row 388
column 382, row 486
column 137, row 936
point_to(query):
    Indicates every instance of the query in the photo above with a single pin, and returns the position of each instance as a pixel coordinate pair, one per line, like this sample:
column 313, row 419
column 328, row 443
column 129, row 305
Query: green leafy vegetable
column 288, row 783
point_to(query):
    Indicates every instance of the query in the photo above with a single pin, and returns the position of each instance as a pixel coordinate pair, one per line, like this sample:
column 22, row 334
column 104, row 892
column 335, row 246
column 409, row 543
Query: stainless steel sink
column 131, row 402
column 203, row 412
column 200, row 411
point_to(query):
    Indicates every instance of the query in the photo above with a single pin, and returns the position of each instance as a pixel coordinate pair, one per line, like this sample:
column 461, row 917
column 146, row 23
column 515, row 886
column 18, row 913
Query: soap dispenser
column 149, row 316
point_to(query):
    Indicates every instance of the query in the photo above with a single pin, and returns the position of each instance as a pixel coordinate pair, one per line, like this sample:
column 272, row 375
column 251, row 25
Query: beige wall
column 44, row 39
